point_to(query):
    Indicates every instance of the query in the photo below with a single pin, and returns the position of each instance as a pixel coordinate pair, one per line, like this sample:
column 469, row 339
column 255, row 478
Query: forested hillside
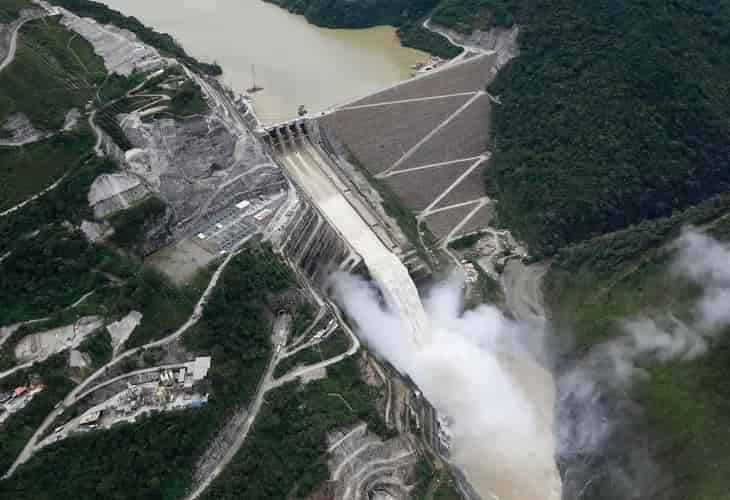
column 405, row 14
column 676, row 412
column 361, row 14
column 614, row 112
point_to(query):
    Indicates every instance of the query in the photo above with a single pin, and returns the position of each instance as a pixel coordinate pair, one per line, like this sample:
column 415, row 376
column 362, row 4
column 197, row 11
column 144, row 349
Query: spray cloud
column 511, row 417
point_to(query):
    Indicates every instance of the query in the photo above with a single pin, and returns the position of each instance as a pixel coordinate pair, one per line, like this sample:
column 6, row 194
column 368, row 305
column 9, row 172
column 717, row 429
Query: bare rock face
column 157, row 233
column 198, row 166
column 93, row 231
column 18, row 130
column 501, row 40
column 122, row 329
column 71, row 120
column 120, row 49
column 112, row 192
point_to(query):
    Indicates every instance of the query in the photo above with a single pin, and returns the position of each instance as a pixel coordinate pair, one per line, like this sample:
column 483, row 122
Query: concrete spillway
column 315, row 177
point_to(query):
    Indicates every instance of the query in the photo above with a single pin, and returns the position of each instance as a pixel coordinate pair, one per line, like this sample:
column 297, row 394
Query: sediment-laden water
column 296, row 63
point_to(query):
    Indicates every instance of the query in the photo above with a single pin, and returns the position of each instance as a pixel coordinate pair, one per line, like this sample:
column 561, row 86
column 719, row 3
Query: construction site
column 15, row 400
column 161, row 389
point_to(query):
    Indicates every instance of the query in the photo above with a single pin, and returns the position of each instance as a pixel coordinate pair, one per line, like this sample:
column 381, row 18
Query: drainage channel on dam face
column 312, row 173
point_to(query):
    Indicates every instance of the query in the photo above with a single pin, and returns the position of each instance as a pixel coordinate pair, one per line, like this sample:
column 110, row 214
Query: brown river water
column 296, row 63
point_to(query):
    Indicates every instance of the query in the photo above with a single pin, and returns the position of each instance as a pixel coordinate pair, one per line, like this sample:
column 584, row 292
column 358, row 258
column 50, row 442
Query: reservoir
column 295, row 62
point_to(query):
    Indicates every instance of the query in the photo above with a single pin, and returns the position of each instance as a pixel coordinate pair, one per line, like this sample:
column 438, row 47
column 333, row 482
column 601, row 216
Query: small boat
column 254, row 88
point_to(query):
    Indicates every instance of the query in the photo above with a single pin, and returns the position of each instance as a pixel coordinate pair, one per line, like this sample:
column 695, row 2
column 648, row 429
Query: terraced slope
column 427, row 140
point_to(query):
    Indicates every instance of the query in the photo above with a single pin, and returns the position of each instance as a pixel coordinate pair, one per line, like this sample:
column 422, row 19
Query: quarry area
column 167, row 388
column 360, row 463
column 39, row 346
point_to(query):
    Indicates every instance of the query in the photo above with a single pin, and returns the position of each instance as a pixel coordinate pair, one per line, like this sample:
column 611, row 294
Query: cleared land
column 397, row 132
column 181, row 261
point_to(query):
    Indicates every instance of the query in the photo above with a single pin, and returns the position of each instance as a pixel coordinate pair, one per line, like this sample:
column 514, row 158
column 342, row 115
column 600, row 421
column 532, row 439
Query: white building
column 201, row 367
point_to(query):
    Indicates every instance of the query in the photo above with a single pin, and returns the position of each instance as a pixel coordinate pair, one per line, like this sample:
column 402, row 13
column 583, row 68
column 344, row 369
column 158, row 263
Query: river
column 295, row 62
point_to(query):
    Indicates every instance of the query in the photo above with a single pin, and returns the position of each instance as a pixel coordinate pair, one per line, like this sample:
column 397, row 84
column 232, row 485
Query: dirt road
column 523, row 290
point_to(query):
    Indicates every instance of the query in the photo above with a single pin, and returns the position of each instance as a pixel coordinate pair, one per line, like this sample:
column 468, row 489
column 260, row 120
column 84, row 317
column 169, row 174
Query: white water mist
column 481, row 369
column 477, row 371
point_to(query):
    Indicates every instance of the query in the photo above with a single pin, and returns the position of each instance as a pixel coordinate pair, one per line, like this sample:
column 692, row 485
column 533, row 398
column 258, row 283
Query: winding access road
column 10, row 56
column 523, row 290
column 267, row 384
column 73, row 396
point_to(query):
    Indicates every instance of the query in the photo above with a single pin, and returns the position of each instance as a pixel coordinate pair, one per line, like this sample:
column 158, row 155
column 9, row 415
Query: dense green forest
column 45, row 272
column 413, row 34
column 10, row 9
column 236, row 328
column 48, row 272
column 466, row 16
column 53, row 71
column 99, row 348
column 433, row 483
column 362, row 14
column 679, row 410
column 613, row 113
column 154, row 458
column 150, row 459
column 67, row 202
column 26, row 170
column 161, row 41
column 335, row 344
column 130, row 225
column 49, row 266
column 407, row 15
